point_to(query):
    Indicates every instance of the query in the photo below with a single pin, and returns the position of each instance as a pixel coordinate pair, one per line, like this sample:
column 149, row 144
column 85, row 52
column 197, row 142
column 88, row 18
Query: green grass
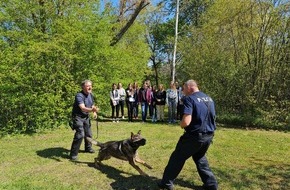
column 240, row 159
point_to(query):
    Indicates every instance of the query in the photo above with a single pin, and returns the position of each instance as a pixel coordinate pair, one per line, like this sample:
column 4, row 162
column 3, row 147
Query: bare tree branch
column 119, row 35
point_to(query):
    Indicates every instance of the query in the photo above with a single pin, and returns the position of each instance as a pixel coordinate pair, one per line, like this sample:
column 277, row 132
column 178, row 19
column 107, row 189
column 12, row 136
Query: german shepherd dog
column 123, row 149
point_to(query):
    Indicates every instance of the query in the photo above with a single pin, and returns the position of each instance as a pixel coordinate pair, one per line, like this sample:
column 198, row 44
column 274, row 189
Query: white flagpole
column 175, row 41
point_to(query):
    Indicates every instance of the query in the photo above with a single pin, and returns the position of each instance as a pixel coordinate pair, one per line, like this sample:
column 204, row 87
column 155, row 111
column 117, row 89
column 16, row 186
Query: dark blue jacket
column 202, row 109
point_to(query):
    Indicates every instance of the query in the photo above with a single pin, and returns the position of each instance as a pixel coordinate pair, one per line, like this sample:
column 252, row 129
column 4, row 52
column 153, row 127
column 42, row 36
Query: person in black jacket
column 131, row 97
column 152, row 106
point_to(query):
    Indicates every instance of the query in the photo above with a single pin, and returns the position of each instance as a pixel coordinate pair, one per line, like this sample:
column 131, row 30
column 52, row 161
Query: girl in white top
column 122, row 94
column 114, row 102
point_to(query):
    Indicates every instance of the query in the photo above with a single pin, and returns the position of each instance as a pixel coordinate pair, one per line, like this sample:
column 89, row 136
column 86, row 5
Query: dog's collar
column 131, row 144
column 124, row 144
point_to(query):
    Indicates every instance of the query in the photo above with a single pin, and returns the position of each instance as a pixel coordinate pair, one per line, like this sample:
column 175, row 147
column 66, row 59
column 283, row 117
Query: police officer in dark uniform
column 198, row 122
column 83, row 105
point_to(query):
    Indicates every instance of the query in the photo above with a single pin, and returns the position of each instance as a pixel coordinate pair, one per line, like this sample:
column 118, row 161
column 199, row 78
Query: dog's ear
column 132, row 134
column 139, row 132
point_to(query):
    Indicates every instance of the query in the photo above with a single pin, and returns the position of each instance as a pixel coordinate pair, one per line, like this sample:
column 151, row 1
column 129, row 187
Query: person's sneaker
column 123, row 117
column 162, row 186
column 74, row 158
column 90, row 150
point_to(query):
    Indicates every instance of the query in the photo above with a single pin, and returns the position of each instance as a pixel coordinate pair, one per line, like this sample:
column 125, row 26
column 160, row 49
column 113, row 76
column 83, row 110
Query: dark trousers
column 130, row 107
column 115, row 109
column 82, row 127
column 179, row 112
column 194, row 146
column 121, row 105
column 151, row 110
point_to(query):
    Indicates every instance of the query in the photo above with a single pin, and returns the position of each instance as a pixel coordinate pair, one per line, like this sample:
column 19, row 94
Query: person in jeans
column 171, row 100
column 144, row 98
column 199, row 125
column 83, row 105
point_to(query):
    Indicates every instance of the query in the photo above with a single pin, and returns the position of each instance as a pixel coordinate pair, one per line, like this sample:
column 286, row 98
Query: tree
column 156, row 37
column 139, row 6
column 239, row 55
column 50, row 47
column 161, row 33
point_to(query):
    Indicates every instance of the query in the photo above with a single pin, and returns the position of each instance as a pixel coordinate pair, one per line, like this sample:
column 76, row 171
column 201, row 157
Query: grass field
column 240, row 159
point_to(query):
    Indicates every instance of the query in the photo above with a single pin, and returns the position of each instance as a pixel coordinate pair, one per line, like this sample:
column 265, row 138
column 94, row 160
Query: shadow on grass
column 55, row 153
column 122, row 180
column 125, row 181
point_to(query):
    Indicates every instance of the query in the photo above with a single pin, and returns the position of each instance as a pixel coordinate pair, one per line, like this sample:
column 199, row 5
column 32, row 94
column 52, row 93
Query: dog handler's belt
column 198, row 134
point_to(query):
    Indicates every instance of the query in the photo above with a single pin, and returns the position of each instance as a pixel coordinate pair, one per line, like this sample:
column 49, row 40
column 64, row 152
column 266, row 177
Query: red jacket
column 142, row 95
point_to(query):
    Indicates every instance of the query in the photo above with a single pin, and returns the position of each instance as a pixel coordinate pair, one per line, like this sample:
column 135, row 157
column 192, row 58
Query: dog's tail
column 94, row 142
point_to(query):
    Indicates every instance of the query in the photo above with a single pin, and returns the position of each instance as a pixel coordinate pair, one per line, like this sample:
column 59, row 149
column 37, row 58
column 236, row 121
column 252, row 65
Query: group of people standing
column 150, row 98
